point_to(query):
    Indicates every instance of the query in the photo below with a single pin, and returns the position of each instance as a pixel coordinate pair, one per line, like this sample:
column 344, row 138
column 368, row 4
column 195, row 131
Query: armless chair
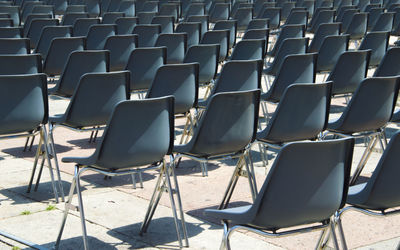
column 13, row 46
column 386, row 67
column 176, row 45
column 230, row 25
column 120, row 47
column 147, row 34
column 377, row 42
column 220, row 37
column 166, row 22
column 249, row 49
column 193, row 31
column 82, row 25
column 97, row 35
column 300, row 166
column 125, row 25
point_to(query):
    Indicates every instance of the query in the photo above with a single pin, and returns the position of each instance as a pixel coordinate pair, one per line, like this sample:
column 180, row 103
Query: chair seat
column 238, row 214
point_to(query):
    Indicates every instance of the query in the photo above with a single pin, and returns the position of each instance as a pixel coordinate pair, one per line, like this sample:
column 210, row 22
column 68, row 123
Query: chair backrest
column 129, row 142
column 219, row 12
column 294, row 69
column 206, row 55
column 384, row 22
column 98, row 34
column 201, row 19
column 350, row 70
column 143, row 64
column 323, row 16
column 371, row 106
column 128, row 8
column 179, row 80
column 59, row 51
column 243, row 17
column 220, row 37
column 195, row 9
column 24, row 102
column 228, row 124
column 150, row 6
column 44, row 9
column 109, row 88
column 82, row 25
column 147, row 34
column 13, row 11
column 31, row 17
column 329, row 52
column 93, row 7
column 76, row 8
column 176, row 44
column 166, row 22
column 358, row 26
column 382, row 189
column 27, row 8
column 378, row 43
column 257, row 34
column 11, row 32
column 258, row 23
column 323, row 30
column 70, row 18
column 146, row 17
column 249, row 49
column 298, row 17
column 6, row 22
column 20, row 64
column 193, row 31
column 170, row 9
column 79, row 63
column 287, row 31
column 347, row 17
column 274, row 16
column 342, row 10
column 120, row 47
column 35, row 29
column 48, row 34
column 239, row 76
column 125, row 25
column 302, row 114
column 230, row 25
column 110, row 17
column 14, row 46
column 318, row 174
column 386, row 66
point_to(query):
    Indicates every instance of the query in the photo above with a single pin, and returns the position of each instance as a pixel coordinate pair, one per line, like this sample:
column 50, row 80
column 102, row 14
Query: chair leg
column 364, row 159
column 46, row 154
column 39, row 175
column 225, row 237
column 323, row 239
column 204, row 168
column 81, row 212
column 341, row 232
column 51, row 144
column 231, row 186
column 31, row 144
column 333, row 233
column 251, row 177
column 26, row 144
column 67, row 207
column 38, row 154
column 133, row 176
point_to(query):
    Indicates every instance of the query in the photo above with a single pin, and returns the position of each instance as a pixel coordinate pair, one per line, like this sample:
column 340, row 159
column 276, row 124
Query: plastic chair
column 20, row 64
column 166, row 22
column 378, row 43
column 27, row 8
column 78, row 64
column 70, row 18
column 60, row 6
column 93, row 7
column 170, row 9
column 145, row 17
column 97, row 35
column 82, row 26
column 329, row 52
column 193, row 31
column 13, row 46
column 125, row 25
column 368, row 111
column 150, row 6
column 220, row 37
column 48, row 34
column 219, row 12
column 323, row 30
column 201, row 19
column 176, row 44
column 350, row 70
column 342, row 10
column 373, row 16
column 230, row 25
column 143, row 64
column 6, row 22
column 249, row 49
column 357, row 27
column 147, row 34
column 76, row 8
column 111, row 158
column 13, row 11
column 31, row 17
column 243, row 17
column 110, row 17
column 11, row 32
column 120, row 48
column 287, row 31
column 194, row 9
column 384, row 23
column 386, row 67
column 297, row 17
column 261, row 5
column 128, row 8
column 274, row 16
column 43, row 9
column 323, row 16
column 286, row 9
column 35, row 29
column 59, row 50
column 300, row 166
column 258, row 23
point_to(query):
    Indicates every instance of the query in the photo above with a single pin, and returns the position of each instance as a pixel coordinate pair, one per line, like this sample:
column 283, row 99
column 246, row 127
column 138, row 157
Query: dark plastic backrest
column 372, row 105
column 179, row 80
column 350, row 70
column 13, row 11
column 378, row 42
column 228, row 125
column 323, row 16
column 347, row 16
column 258, row 23
column 301, row 114
column 44, row 9
column 35, row 29
column 342, row 10
column 128, row 8
column 24, row 104
column 11, row 32
column 31, row 17
column 387, row 67
column 108, row 89
column 82, row 25
column 239, row 76
column 14, row 46
column 323, row 30
column 219, row 12
column 70, row 18
column 287, row 31
column 20, row 64
column 132, row 142
column 59, row 51
column 193, row 31
column 274, row 16
column 79, row 63
column 331, row 49
column 176, row 44
column 249, row 49
column 220, row 37
column 307, row 183
column 146, row 17
column 384, row 22
column 110, row 17
column 48, row 34
column 201, row 19
column 76, row 8
column 147, row 34
column 294, row 69
column 120, row 48
column 373, row 16
column 297, row 17
column 358, row 26
column 125, row 25
column 6, row 22
column 207, row 57
column 166, row 22
column 170, row 9
column 230, row 25
column 98, row 34
column 195, row 9
column 286, row 9
column 243, row 17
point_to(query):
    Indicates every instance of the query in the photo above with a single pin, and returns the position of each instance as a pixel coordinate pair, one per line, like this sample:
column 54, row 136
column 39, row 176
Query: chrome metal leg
column 251, row 179
column 133, row 180
column 51, row 145
column 341, row 232
column 231, row 186
column 80, row 203
column 38, row 154
column 204, row 168
column 333, row 233
column 39, row 175
column 185, row 128
column 322, row 242
column 46, row 154
column 224, row 242
column 31, row 144
column 140, row 179
column 67, row 207
column 364, row 159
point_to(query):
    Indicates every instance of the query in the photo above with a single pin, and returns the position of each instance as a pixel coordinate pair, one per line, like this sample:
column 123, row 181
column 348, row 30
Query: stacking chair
column 60, row 6
column 274, row 16
column 194, row 9
column 24, row 112
column 220, row 37
column 13, row 11
column 306, row 106
column 230, row 25
column 27, row 9
column 373, row 16
column 386, row 67
column 82, row 25
column 43, row 9
column 128, row 146
column 120, row 47
column 349, row 71
column 20, row 64
column 377, row 42
column 110, row 17
column 128, row 8
column 357, row 27
column 347, row 17
column 193, row 31
column 342, row 10
column 70, row 18
column 143, row 64
column 201, row 19
column 150, row 6
column 300, row 166
column 287, row 31
column 257, row 34
column 243, row 17
column 258, row 23
column 384, row 22
column 323, row 30
column 97, row 35
column 219, row 12
column 329, row 52
column 14, row 46
column 323, row 16
column 35, row 29
column 93, row 7
column 226, row 128
column 58, row 53
column 146, row 17
column 48, row 34
column 125, row 25
column 166, row 22
column 11, row 32
column 176, row 44
column 79, row 63
column 31, row 17
column 6, row 22
column 170, row 9
column 249, row 49
column 286, row 9
column 147, row 34
column 297, row 17
column 380, row 193
column 367, row 113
